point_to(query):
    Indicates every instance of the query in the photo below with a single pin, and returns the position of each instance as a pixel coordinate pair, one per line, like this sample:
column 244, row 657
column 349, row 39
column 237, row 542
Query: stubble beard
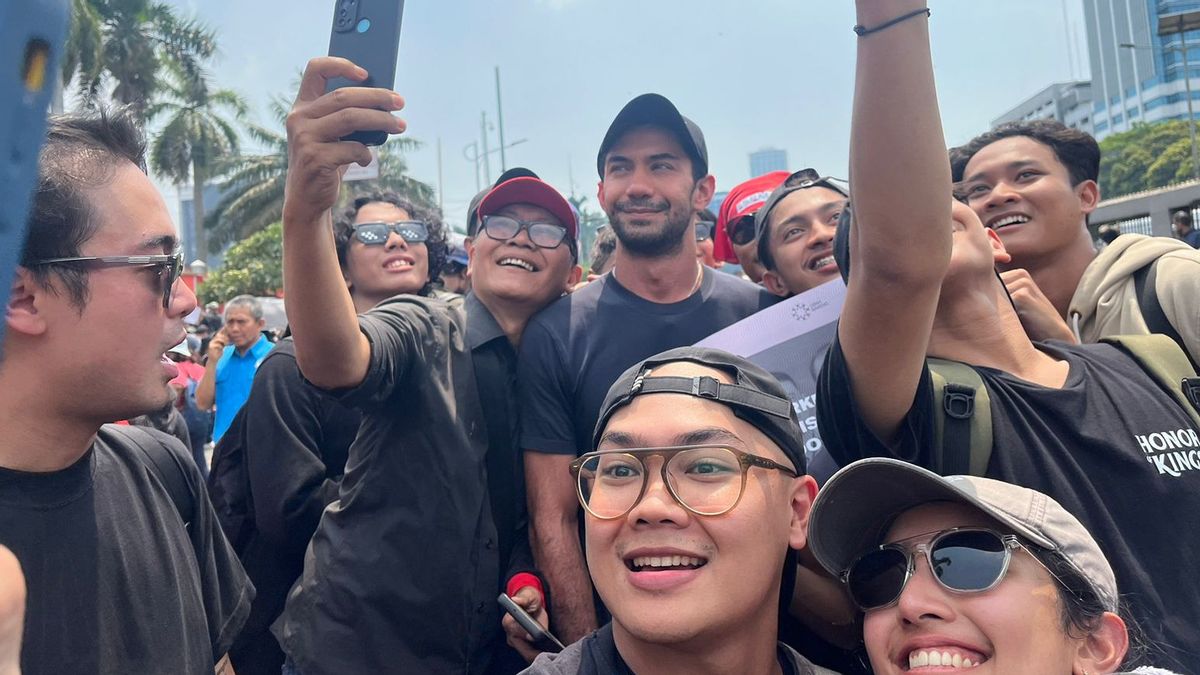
column 643, row 241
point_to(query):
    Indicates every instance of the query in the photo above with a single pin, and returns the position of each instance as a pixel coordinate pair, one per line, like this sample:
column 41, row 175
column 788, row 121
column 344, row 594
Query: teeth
column 396, row 264
column 1010, row 220
column 515, row 262
column 940, row 659
column 666, row 561
column 821, row 262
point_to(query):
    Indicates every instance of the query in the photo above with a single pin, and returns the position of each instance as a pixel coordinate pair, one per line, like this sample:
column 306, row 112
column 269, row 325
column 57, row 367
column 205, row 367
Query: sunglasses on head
column 374, row 234
column 963, row 560
column 704, row 230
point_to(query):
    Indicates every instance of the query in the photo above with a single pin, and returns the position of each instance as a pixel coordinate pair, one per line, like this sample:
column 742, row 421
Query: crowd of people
column 1013, row 400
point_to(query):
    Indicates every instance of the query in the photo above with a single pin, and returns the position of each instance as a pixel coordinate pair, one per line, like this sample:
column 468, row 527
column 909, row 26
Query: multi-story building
column 187, row 222
column 767, row 160
column 1067, row 102
column 1138, row 75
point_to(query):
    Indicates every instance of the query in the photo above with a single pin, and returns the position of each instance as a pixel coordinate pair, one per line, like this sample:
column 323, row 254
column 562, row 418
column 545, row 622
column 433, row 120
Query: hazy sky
column 751, row 73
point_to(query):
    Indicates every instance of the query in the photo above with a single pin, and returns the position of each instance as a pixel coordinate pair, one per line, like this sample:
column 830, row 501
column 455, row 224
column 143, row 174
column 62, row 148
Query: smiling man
column 1034, row 184
column 696, row 500
column 403, row 571
column 795, row 229
column 654, row 178
column 126, row 568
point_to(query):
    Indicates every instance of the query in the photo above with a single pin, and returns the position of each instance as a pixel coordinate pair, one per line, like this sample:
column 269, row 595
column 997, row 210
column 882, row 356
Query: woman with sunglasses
column 967, row 573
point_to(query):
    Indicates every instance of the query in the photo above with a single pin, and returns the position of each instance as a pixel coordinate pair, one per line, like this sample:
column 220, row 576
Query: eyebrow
column 166, row 243
column 803, row 217
column 1011, row 166
column 623, row 439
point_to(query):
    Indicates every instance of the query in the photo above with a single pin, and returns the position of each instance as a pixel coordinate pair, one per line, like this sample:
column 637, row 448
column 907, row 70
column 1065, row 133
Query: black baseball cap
column 655, row 110
column 755, row 395
column 800, row 180
column 473, row 209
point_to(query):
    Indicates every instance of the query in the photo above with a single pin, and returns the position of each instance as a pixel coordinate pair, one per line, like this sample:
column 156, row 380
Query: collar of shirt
column 482, row 327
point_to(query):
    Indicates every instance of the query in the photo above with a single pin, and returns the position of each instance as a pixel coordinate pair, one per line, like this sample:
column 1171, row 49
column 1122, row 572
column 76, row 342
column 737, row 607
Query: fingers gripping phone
column 542, row 638
column 367, row 32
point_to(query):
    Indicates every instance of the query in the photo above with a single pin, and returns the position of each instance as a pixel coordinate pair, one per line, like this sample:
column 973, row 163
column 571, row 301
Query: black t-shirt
column 1111, row 446
column 574, row 350
column 116, row 583
column 401, row 573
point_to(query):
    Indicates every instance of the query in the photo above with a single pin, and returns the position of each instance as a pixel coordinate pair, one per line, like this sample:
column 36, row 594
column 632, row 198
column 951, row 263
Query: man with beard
column 654, row 177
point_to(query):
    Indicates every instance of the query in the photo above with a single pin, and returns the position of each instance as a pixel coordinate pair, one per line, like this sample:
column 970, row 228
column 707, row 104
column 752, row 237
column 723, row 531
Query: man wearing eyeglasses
column 736, row 234
column 404, row 569
column 795, row 229
column 696, row 501
column 126, row 568
column 654, row 177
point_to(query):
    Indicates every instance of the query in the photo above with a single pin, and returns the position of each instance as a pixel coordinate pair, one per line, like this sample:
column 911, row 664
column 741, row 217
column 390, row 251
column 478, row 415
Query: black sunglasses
column 170, row 267
column 741, row 231
column 704, row 230
column 374, row 234
column 543, row 235
column 963, row 560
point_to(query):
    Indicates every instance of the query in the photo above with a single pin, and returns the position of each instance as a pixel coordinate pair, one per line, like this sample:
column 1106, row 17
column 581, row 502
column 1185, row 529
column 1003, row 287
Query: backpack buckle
column 1191, row 390
column 959, row 401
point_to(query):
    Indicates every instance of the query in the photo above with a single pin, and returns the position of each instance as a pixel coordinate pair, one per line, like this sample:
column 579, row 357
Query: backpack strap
column 1164, row 360
column 962, row 419
column 166, row 467
column 1152, row 312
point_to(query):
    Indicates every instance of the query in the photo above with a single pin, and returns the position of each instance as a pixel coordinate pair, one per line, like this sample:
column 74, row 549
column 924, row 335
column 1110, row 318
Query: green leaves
column 1147, row 156
column 253, row 266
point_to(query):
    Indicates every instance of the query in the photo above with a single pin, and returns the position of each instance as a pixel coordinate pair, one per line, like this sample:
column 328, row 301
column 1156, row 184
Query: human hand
column 317, row 157
column 1038, row 315
column 12, row 612
column 216, row 346
column 529, row 599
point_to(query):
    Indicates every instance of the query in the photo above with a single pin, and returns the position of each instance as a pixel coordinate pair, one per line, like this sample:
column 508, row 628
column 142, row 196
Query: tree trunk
column 198, row 212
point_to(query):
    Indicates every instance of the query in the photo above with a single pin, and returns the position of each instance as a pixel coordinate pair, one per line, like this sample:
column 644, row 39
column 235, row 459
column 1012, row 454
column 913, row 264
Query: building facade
column 1067, row 102
column 767, row 160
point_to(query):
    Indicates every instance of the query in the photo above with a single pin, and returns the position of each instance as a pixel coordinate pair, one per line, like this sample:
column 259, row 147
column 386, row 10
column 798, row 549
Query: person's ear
column 999, row 253
column 573, row 277
column 24, row 312
column 1103, row 650
column 775, row 284
column 1089, row 196
column 600, row 193
column 703, row 193
column 804, row 491
column 469, row 244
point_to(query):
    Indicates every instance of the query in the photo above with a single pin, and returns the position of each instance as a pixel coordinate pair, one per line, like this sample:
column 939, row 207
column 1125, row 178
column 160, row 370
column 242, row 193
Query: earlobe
column 999, row 253
column 703, row 194
column 1103, row 650
column 22, row 313
column 1089, row 196
column 469, row 244
column 804, row 491
column 574, row 277
column 774, row 284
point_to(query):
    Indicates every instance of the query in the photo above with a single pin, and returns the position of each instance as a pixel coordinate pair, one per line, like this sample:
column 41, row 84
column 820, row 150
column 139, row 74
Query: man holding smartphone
column 403, row 571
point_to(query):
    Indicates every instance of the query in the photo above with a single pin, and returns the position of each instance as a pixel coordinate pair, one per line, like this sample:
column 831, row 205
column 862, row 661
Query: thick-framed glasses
column 704, row 230
column 707, row 480
column 170, row 267
column 376, row 234
column 543, row 235
column 741, row 231
column 963, row 560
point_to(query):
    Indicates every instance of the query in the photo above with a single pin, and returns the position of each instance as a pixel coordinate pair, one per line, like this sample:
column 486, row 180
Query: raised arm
column 331, row 350
column 900, row 192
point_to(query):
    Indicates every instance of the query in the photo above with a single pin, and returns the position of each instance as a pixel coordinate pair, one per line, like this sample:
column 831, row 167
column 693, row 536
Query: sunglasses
column 742, row 230
column 375, row 234
column 963, row 560
column 543, row 235
column 704, row 230
column 170, row 267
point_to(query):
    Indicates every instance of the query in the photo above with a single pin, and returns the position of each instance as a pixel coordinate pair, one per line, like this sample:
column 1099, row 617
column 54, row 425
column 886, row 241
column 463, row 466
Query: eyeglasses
column 742, row 231
column 963, row 560
column 170, row 267
column 374, row 234
column 543, row 235
column 704, row 230
column 707, row 480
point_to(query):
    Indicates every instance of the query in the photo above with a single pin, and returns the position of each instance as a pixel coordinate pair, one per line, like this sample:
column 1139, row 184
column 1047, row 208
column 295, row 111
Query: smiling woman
column 967, row 572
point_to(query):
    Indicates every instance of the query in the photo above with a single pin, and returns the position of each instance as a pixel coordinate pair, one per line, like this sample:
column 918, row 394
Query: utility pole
column 500, row 122
column 483, row 130
column 441, row 185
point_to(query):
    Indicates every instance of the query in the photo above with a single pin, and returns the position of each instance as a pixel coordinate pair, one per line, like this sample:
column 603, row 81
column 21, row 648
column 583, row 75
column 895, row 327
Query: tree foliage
column 253, row 266
column 590, row 221
column 1145, row 157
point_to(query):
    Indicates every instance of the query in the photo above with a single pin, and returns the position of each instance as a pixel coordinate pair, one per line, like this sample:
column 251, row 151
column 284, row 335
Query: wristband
column 521, row 580
column 863, row 31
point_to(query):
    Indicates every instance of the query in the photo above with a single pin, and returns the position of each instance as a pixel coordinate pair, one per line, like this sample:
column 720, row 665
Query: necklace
column 695, row 286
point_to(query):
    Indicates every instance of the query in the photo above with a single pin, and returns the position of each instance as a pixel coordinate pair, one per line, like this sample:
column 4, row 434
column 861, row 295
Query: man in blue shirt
column 229, row 371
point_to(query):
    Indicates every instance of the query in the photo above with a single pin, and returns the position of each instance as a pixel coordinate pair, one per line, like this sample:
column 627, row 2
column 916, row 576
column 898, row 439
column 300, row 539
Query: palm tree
column 194, row 136
column 254, row 187
column 127, row 42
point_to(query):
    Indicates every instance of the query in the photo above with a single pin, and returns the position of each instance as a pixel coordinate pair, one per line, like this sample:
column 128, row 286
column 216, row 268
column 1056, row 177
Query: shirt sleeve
column 849, row 439
column 284, row 458
column 544, row 393
column 402, row 332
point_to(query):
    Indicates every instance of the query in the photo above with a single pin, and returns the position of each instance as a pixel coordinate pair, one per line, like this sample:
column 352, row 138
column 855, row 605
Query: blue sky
column 751, row 73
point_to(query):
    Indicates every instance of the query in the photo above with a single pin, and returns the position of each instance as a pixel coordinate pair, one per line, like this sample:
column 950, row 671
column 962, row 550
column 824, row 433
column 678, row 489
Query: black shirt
column 294, row 438
column 401, row 574
column 573, row 351
column 116, row 583
column 1098, row 446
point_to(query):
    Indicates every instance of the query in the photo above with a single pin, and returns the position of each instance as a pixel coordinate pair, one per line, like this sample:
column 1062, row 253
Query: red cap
column 743, row 200
column 528, row 190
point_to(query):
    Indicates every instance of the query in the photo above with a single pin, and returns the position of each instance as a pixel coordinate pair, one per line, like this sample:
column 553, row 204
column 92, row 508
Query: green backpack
column 963, row 429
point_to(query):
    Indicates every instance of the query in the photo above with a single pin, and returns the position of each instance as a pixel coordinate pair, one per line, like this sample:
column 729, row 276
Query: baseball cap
column 857, row 505
column 743, row 200
column 655, row 110
column 473, row 208
column 530, row 190
column 800, row 180
column 755, row 395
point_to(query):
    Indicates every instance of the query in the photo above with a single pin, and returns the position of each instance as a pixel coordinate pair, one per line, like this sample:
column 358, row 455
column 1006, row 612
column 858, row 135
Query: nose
column 521, row 238
column 1002, row 193
column 657, row 506
column 822, row 234
column 923, row 598
column 183, row 299
column 395, row 241
column 639, row 184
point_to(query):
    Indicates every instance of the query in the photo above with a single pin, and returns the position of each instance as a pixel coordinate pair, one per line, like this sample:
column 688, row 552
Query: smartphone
column 542, row 638
column 367, row 32
column 31, row 42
